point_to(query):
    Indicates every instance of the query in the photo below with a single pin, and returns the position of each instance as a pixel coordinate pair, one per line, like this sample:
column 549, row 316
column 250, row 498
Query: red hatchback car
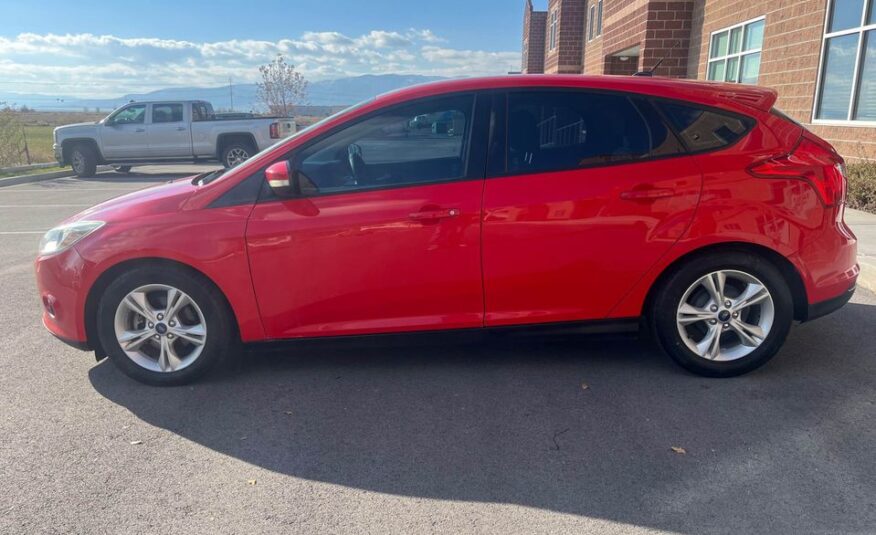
column 694, row 209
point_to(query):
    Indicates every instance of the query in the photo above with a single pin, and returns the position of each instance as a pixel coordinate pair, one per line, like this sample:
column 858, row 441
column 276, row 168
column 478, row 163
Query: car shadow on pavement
column 569, row 424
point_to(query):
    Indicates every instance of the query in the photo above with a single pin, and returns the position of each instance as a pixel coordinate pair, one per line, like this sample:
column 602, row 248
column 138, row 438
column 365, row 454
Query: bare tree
column 281, row 88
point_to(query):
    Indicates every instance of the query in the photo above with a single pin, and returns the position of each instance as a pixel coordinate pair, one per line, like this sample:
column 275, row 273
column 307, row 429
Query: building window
column 599, row 18
column 591, row 23
column 847, row 83
column 552, row 42
column 734, row 53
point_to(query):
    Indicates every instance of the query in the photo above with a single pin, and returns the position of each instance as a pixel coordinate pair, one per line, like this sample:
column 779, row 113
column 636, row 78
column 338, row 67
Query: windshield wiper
column 206, row 178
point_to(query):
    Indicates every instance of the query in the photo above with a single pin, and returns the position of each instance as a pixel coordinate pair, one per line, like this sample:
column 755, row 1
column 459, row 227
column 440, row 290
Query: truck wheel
column 123, row 169
column 236, row 153
column 83, row 160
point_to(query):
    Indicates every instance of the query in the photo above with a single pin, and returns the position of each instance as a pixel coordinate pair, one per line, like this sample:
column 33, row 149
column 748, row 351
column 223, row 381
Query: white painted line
column 12, row 189
column 12, row 232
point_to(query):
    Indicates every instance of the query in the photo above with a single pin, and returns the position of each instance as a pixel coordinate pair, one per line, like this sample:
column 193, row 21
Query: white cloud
column 105, row 65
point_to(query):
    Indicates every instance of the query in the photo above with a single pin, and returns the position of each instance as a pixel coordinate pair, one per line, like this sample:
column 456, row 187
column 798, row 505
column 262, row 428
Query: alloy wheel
column 78, row 162
column 236, row 156
column 725, row 315
column 160, row 328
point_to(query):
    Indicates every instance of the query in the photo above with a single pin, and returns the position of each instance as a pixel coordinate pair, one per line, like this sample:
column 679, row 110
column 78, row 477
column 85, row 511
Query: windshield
column 255, row 161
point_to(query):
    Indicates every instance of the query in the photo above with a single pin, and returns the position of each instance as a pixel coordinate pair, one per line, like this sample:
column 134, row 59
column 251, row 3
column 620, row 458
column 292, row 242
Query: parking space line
column 12, row 232
column 44, row 205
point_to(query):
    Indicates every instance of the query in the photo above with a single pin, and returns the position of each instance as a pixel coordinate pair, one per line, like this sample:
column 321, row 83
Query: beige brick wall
column 789, row 62
column 566, row 57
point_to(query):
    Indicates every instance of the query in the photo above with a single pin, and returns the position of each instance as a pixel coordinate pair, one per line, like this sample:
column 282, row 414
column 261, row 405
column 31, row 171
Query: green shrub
column 862, row 186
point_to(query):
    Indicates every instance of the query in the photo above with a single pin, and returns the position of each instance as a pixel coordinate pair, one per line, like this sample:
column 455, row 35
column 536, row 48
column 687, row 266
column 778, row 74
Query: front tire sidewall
column 86, row 155
column 219, row 328
column 664, row 311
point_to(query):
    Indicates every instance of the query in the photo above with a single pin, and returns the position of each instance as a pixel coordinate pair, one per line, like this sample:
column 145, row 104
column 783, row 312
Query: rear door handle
column 180, row 128
column 140, row 130
column 441, row 213
column 646, row 194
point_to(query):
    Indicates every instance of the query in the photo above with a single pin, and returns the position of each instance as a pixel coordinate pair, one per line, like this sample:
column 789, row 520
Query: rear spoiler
column 761, row 98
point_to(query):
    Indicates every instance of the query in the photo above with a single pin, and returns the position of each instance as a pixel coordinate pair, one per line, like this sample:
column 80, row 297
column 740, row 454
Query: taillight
column 811, row 160
column 275, row 130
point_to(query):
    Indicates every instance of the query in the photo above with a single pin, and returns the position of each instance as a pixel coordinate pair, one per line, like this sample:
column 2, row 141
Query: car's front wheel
column 723, row 315
column 83, row 160
column 163, row 326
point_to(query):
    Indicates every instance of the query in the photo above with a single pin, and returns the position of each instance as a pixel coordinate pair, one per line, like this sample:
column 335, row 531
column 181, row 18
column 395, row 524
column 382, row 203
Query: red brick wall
column 593, row 57
column 534, row 26
column 789, row 61
column 566, row 57
column 623, row 26
column 667, row 38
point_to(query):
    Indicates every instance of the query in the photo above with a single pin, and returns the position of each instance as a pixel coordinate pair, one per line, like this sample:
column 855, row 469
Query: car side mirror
column 282, row 179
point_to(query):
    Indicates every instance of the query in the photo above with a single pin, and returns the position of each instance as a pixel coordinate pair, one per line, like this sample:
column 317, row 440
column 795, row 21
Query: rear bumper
column 823, row 308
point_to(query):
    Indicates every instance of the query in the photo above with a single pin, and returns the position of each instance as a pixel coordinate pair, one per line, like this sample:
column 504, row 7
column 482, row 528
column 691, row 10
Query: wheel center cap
column 724, row 315
column 160, row 328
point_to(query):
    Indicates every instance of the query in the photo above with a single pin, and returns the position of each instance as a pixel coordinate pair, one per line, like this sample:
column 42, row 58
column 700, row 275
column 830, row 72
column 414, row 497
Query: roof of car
column 698, row 90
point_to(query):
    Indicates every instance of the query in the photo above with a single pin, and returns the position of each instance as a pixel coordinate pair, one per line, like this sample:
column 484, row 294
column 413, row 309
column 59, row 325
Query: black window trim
column 475, row 152
column 651, row 100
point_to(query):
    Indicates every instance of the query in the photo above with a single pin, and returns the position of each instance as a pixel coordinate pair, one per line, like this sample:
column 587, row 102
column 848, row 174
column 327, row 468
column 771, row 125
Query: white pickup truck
column 166, row 131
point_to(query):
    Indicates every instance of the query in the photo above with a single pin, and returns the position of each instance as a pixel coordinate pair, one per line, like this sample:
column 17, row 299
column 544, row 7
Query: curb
column 867, row 277
column 26, row 179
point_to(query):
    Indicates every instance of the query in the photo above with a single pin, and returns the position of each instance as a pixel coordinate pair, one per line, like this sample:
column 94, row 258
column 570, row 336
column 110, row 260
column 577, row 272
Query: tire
column 123, row 169
column 83, row 159
column 689, row 284
column 232, row 153
column 190, row 361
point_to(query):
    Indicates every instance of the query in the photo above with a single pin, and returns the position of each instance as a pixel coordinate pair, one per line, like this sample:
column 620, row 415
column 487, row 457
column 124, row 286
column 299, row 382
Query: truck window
column 131, row 115
column 200, row 112
column 167, row 113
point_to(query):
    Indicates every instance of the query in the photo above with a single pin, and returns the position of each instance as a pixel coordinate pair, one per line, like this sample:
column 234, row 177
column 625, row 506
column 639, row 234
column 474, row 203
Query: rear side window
column 167, row 113
column 702, row 129
column 561, row 130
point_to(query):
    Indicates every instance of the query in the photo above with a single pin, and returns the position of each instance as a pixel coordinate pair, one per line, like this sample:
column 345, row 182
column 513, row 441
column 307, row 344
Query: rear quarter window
column 703, row 129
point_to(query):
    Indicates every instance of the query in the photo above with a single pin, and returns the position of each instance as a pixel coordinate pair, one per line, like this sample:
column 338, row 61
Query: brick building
column 820, row 55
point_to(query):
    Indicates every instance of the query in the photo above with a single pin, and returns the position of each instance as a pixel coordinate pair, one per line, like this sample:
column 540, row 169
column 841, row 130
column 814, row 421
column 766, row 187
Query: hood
column 142, row 204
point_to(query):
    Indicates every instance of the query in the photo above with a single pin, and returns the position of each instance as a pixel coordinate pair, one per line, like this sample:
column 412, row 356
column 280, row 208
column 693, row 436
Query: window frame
column 474, row 152
column 553, row 22
column 599, row 18
column 860, row 30
column 591, row 22
column 726, row 57
column 499, row 120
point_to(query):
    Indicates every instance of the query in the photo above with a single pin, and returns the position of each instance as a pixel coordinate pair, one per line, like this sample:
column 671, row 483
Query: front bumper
column 59, row 153
column 62, row 295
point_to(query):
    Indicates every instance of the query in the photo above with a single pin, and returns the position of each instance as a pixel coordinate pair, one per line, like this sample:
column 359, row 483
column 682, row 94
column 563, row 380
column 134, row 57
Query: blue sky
column 107, row 48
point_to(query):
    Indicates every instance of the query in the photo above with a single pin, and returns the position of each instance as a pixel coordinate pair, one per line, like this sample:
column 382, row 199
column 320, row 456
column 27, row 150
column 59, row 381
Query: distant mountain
column 323, row 93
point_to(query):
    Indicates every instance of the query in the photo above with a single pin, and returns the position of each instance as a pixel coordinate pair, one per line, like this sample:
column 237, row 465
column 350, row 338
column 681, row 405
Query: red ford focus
column 694, row 209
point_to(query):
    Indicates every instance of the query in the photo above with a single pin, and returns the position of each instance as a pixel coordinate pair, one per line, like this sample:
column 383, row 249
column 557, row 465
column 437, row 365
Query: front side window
column 704, row 129
column 552, row 38
column 565, row 130
column 131, row 115
column 847, row 80
column 734, row 53
column 418, row 143
column 167, row 113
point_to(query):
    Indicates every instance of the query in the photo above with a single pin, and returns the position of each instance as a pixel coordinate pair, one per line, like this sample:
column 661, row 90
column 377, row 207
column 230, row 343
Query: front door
column 124, row 134
column 595, row 190
column 386, row 234
column 169, row 133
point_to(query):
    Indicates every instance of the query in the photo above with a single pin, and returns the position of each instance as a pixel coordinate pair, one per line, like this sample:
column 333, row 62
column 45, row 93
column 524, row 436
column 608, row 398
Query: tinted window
column 167, row 113
column 551, row 130
column 702, row 129
column 199, row 112
column 131, row 115
column 419, row 143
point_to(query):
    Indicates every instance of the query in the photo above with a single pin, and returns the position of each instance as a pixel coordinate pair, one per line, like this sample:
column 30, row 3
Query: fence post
column 26, row 150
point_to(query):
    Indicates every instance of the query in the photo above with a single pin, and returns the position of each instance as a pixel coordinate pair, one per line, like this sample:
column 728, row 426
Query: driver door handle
column 441, row 213
column 140, row 130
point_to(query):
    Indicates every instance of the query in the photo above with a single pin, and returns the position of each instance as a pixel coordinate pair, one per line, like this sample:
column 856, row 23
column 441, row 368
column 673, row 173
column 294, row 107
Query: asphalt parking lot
column 542, row 435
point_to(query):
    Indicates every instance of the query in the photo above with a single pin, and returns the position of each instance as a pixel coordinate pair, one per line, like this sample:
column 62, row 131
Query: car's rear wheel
column 83, row 160
column 236, row 153
column 163, row 326
column 723, row 315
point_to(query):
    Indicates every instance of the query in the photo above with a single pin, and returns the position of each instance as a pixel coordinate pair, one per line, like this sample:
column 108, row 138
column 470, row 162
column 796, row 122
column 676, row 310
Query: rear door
column 591, row 189
column 169, row 132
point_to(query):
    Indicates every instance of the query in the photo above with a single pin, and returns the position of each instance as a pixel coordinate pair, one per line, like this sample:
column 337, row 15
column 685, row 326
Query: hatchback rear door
column 590, row 190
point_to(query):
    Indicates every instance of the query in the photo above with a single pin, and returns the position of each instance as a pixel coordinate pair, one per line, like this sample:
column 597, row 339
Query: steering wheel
column 357, row 164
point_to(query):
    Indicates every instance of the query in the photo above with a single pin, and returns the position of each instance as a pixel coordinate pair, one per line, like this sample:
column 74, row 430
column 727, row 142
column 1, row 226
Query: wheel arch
column 68, row 144
column 111, row 273
column 223, row 140
column 789, row 272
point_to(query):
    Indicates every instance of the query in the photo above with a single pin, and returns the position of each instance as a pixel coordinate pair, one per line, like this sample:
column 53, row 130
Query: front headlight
column 60, row 238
